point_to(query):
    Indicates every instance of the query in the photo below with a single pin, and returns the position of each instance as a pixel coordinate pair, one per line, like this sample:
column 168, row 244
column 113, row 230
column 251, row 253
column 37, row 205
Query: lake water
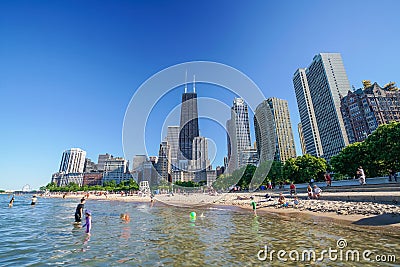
column 44, row 235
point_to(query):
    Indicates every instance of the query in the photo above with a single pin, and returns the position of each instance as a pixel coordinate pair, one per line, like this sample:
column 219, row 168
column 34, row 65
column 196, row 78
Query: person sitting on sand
column 282, row 199
column 296, row 201
column 309, row 192
column 317, row 192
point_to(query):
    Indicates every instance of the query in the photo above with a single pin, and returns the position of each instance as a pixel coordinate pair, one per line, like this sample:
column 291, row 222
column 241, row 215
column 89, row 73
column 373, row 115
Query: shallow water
column 44, row 235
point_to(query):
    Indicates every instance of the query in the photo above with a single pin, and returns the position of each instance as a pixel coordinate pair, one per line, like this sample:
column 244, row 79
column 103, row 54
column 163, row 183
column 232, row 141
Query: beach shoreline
column 369, row 214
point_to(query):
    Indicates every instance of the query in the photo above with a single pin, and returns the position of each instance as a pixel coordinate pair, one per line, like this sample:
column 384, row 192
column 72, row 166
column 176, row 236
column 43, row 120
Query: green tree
column 378, row 153
column 275, row 173
column 303, row 168
column 383, row 146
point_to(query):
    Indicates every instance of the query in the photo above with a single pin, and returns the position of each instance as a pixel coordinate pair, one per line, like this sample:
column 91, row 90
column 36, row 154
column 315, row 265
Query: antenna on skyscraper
column 194, row 83
column 186, row 82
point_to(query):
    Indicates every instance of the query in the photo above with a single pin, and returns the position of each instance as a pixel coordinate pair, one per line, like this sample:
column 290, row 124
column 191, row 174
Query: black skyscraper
column 189, row 127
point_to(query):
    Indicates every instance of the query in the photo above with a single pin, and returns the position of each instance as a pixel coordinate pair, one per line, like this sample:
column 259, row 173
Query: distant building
column 324, row 82
column 138, row 161
column 219, row 170
column 285, row 147
column 312, row 140
column 163, row 165
column 182, row 176
column 73, row 161
column 92, row 178
column 189, row 124
column 249, row 156
column 173, row 141
column 63, row 179
column 90, row 166
column 302, row 141
column 211, row 177
column 102, row 161
column 116, row 169
column 366, row 108
column 238, row 137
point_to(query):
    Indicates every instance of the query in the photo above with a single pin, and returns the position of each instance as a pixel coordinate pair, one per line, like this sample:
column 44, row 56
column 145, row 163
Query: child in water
column 88, row 219
column 125, row 217
column 254, row 205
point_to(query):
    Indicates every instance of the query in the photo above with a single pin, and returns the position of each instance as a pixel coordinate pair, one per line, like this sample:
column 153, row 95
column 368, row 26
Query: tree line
column 107, row 186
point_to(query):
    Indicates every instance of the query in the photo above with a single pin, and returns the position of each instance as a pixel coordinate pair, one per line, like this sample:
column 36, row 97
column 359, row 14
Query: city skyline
column 68, row 70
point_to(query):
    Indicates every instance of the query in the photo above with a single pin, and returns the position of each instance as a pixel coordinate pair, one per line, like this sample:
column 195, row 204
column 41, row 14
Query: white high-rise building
column 200, row 159
column 318, row 89
column 312, row 140
column 73, row 161
column 238, row 128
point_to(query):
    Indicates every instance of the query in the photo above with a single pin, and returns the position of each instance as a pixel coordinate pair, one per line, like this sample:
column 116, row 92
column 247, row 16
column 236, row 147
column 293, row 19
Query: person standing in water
column 34, row 200
column 254, row 205
column 79, row 211
column 88, row 221
column 11, row 202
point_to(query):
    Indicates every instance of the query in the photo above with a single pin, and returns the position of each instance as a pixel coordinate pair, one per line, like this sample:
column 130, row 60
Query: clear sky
column 68, row 69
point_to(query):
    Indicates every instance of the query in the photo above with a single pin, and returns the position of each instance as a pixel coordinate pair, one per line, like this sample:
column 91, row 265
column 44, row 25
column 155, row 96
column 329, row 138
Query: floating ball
column 193, row 215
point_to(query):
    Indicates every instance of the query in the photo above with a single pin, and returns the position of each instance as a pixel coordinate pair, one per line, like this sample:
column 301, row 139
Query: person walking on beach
column 79, row 211
column 328, row 179
column 361, row 175
column 392, row 174
column 11, row 202
column 292, row 189
column 88, row 221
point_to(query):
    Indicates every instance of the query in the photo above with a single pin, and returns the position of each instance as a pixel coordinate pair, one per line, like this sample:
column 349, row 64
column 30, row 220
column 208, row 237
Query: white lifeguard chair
column 144, row 187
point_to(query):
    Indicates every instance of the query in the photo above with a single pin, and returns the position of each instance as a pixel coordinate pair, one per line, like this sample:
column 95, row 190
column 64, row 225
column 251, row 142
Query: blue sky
column 68, row 69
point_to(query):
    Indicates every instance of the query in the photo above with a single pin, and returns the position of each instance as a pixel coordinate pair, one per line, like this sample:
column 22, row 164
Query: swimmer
column 125, row 217
column 11, row 202
column 88, row 223
column 202, row 215
column 34, row 199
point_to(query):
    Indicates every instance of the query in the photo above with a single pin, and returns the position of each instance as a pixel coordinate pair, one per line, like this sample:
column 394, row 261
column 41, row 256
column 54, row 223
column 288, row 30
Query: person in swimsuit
column 88, row 221
column 34, row 199
column 79, row 211
column 11, row 202
column 254, row 205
